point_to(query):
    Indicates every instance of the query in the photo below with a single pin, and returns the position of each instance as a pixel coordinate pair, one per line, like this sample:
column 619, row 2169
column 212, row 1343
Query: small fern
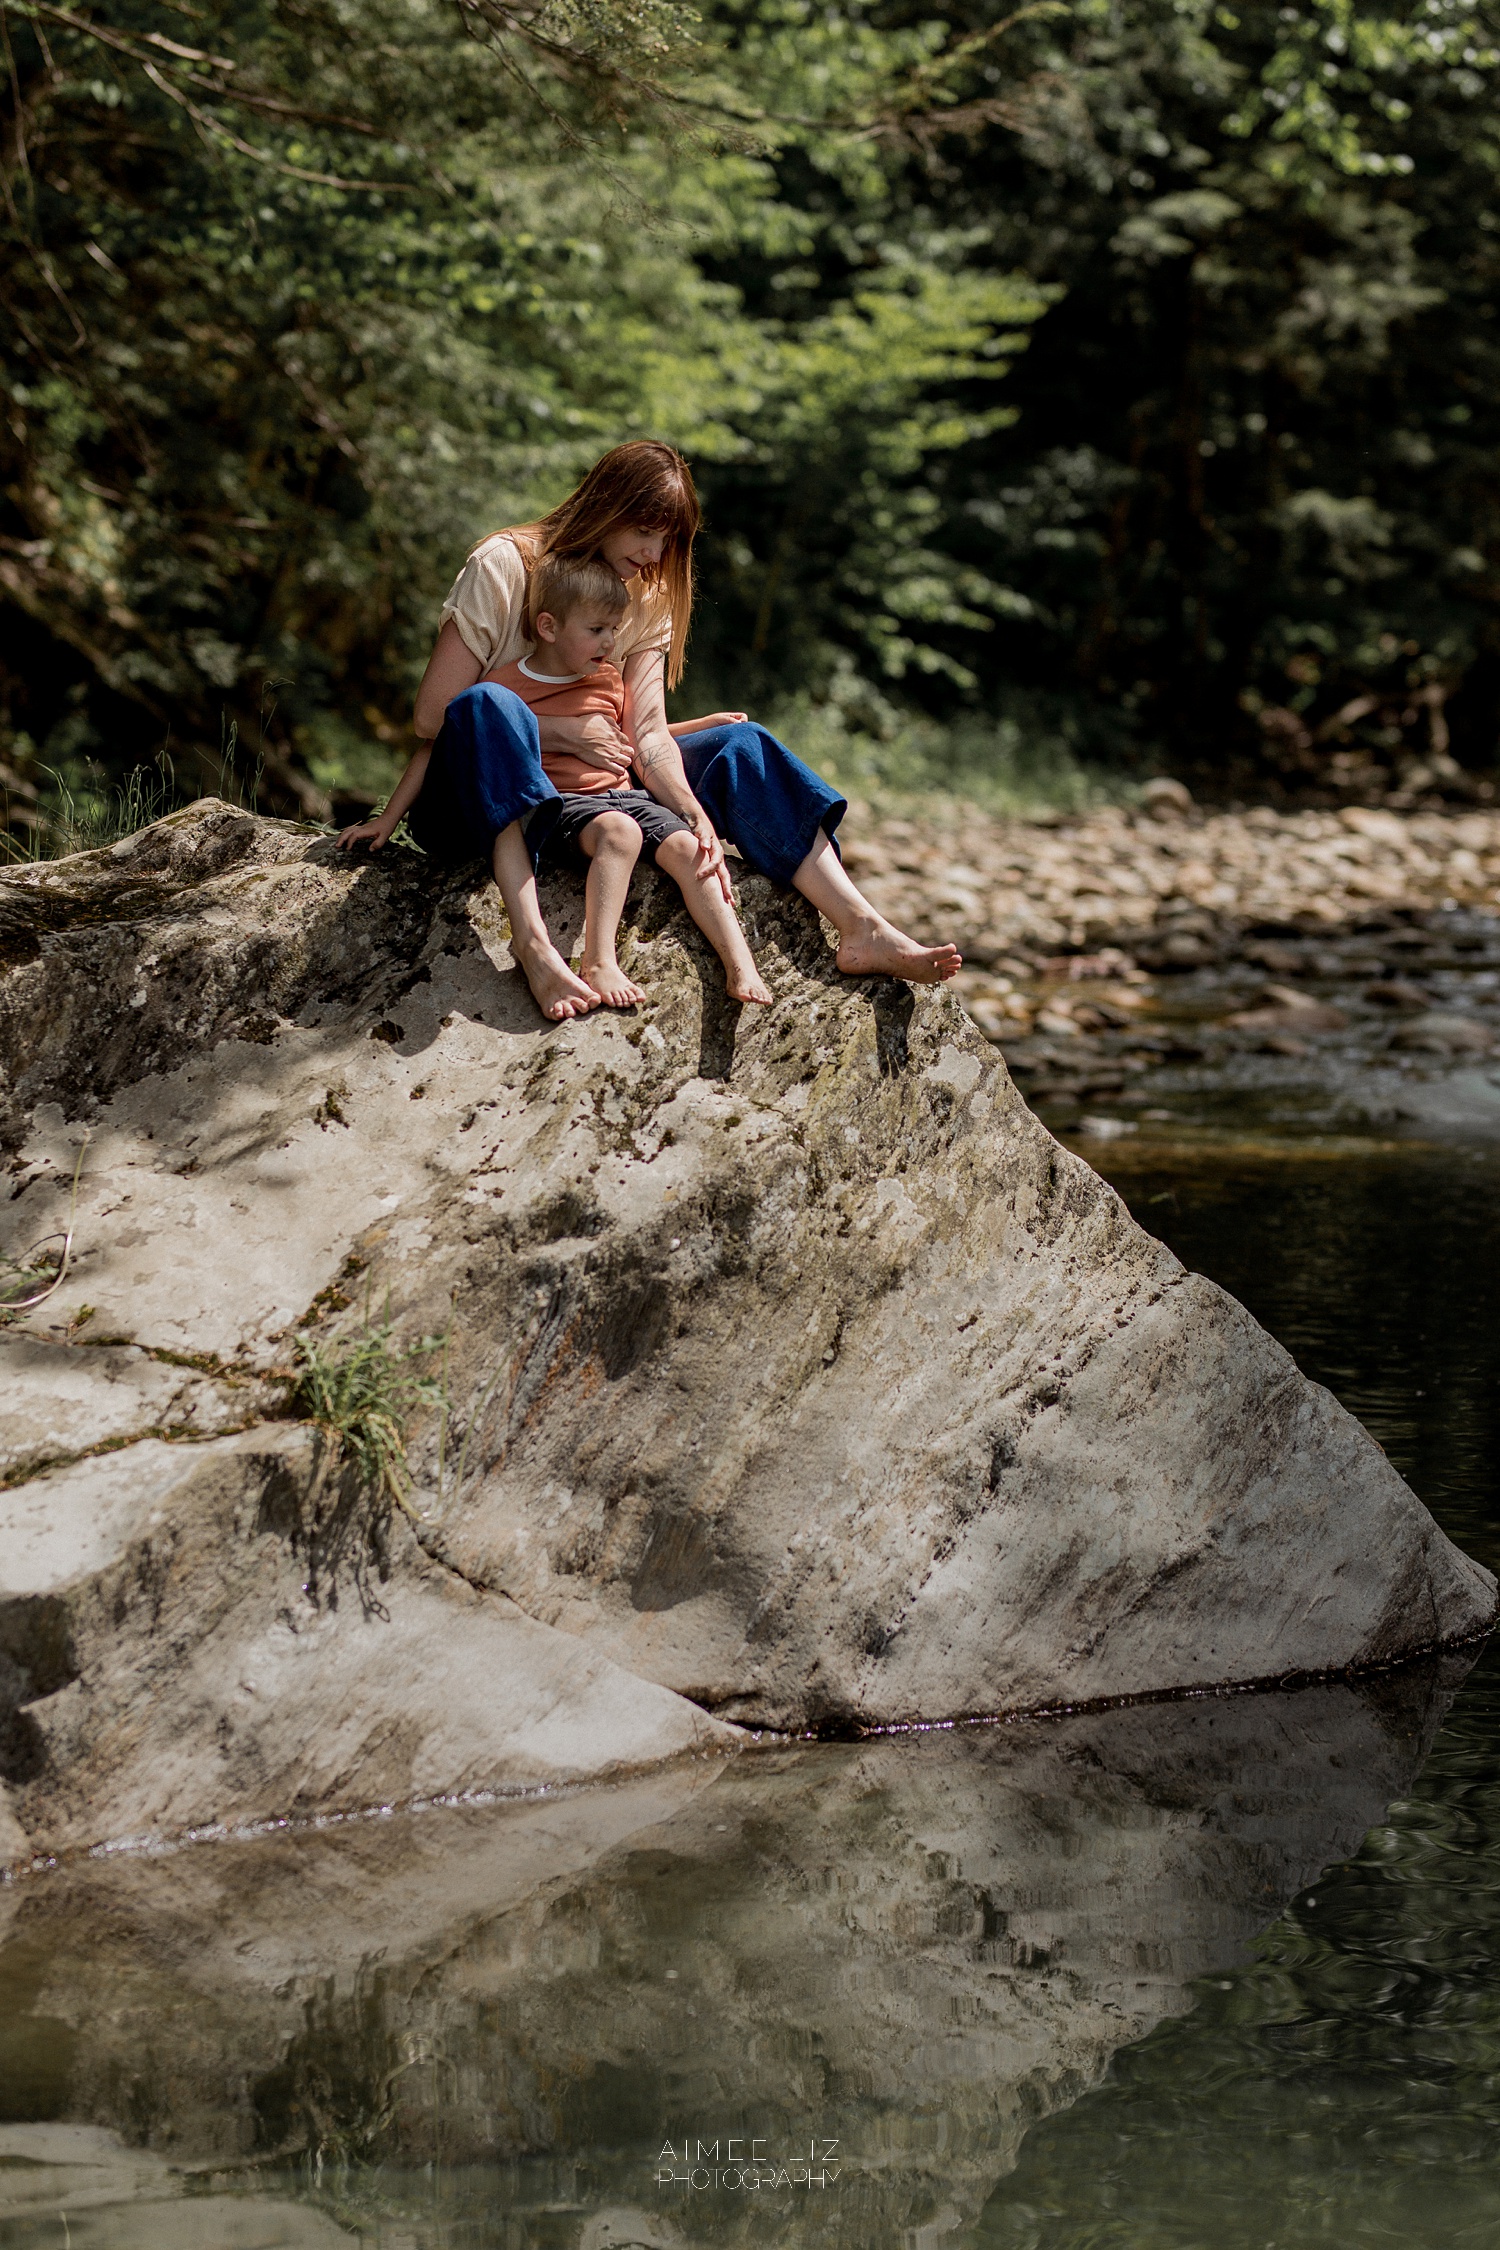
column 362, row 1390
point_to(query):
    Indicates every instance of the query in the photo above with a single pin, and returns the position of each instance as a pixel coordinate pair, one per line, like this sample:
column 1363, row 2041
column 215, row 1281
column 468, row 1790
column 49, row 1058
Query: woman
column 477, row 776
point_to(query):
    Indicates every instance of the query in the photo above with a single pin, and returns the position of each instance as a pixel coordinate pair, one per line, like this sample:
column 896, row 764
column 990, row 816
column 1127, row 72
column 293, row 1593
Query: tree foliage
column 302, row 307
column 1128, row 366
column 1251, row 488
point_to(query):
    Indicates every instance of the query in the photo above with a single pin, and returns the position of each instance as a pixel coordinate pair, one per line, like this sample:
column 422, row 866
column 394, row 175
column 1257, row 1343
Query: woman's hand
column 372, row 832
column 711, row 865
column 680, row 727
column 659, row 762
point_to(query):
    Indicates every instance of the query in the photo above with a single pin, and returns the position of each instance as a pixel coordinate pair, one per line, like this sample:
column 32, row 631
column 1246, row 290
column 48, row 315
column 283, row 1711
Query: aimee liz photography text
column 749, row 2163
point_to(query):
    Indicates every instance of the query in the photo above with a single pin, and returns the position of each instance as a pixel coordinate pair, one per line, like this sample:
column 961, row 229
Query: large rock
column 911, row 1949
column 794, row 1369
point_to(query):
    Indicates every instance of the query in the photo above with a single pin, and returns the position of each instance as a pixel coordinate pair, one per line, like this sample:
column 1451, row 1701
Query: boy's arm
column 405, row 794
column 659, row 761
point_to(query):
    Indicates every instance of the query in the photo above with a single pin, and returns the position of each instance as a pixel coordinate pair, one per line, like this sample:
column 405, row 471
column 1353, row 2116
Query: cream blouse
column 487, row 602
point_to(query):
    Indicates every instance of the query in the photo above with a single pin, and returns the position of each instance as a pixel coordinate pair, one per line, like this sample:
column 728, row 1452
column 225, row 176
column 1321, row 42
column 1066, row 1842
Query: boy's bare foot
column 555, row 989
column 610, row 982
column 747, row 985
column 879, row 949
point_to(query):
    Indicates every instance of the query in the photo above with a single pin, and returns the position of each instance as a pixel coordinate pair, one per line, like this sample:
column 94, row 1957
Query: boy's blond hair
column 642, row 485
column 559, row 584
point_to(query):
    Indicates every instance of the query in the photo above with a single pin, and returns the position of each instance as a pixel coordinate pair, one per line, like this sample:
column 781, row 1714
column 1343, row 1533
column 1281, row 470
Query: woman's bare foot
column 555, row 989
column 610, row 982
column 743, row 984
column 879, row 949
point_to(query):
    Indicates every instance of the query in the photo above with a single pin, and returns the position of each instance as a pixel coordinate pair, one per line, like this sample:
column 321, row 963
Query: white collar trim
column 550, row 679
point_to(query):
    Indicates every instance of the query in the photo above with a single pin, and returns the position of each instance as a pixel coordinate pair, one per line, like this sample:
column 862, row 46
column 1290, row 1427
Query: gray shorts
column 573, row 814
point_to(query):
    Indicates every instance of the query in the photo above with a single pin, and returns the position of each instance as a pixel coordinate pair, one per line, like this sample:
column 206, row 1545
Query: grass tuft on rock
column 362, row 1391
column 83, row 810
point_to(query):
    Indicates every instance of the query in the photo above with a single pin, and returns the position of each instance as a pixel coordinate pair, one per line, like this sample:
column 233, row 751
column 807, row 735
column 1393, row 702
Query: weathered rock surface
column 912, row 1948
column 173, row 1616
column 794, row 1368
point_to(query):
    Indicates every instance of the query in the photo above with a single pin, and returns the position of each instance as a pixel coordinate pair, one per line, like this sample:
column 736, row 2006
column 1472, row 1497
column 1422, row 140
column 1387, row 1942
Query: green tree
column 301, row 309
column 1250, row 491
column 273, row 345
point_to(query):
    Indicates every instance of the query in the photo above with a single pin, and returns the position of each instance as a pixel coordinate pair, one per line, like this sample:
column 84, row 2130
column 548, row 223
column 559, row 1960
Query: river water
column 1221, row 1974
column 1342, row 2086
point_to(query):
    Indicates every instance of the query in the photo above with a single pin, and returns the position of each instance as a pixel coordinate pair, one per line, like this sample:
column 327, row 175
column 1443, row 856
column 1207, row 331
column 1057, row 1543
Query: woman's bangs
column 674, row 513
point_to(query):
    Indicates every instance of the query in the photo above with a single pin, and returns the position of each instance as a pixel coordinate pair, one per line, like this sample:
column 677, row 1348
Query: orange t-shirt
column 581, row 720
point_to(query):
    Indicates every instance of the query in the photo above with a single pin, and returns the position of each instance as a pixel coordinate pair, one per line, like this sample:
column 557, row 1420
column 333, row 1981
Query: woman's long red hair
column 642, row 486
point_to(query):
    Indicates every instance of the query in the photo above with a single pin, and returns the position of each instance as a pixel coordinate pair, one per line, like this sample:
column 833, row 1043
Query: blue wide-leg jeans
column 760, row 797
column 486, row 771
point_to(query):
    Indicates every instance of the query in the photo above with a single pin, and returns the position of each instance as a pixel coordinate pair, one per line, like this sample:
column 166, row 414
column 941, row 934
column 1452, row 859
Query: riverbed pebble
column 1397, row 992
column 1443, row 1034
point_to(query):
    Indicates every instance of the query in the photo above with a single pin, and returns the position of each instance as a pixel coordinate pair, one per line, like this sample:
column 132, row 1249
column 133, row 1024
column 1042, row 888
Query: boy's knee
column 678, row 850
column 614, row 831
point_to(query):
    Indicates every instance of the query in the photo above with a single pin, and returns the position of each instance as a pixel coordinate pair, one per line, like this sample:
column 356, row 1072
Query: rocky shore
column 1168, row 870
column 1129, row 957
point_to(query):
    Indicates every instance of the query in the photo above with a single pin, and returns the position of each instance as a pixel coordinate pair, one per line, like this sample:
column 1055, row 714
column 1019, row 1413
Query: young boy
column 579, row 700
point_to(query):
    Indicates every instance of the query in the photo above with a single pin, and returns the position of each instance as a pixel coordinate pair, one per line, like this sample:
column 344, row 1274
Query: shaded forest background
column 1085, row 389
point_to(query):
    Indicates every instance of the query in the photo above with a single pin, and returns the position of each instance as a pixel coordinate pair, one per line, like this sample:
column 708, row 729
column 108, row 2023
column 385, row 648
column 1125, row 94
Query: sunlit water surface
column 1219, row 1975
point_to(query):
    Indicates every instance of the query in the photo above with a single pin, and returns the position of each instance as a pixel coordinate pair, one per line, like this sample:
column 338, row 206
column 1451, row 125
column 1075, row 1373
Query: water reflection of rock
column 913, row 1946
